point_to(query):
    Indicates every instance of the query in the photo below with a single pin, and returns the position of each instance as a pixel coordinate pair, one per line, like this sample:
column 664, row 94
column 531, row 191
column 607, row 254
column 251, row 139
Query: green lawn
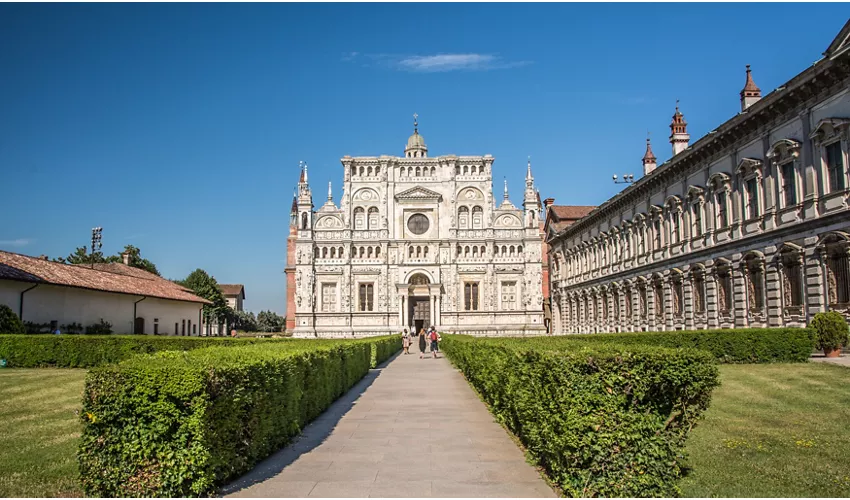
column 774, row 431
column 40, row 432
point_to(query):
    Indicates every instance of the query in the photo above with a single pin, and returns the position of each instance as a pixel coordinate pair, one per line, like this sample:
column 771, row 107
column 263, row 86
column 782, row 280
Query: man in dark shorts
column 433, row 338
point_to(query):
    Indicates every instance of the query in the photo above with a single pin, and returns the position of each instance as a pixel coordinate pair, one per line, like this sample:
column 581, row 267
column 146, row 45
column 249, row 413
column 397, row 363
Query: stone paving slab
column 412, row 428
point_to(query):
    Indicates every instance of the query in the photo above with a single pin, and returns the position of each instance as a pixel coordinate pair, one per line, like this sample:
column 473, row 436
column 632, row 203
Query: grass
column 40, row 432
column 773, row 431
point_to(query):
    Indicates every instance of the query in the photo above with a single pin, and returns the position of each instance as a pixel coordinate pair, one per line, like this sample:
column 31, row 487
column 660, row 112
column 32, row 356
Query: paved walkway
column 844, row 360
column 413, row 428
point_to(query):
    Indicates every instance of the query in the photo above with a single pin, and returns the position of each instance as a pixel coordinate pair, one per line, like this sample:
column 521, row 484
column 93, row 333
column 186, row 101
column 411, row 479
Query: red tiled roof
column 232, row 289
column 573, row 212
column 116, row 278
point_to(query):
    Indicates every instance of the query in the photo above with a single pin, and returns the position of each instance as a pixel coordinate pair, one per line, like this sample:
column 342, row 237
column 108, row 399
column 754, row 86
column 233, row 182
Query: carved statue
column 831, row 282
column 751, row 290
column 786, row 287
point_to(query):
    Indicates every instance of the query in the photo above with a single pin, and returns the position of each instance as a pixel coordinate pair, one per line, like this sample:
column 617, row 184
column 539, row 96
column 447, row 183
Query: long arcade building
column 749, row 226
column 416, row 241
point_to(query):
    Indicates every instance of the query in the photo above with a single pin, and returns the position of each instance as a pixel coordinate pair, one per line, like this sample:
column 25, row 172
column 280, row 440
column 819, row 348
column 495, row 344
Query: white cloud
column 439, row 62
column 455, row 62
column 20, row 242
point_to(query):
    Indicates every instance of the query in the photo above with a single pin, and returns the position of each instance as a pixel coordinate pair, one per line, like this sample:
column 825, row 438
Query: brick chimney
column 548, row 202
column 126, row 258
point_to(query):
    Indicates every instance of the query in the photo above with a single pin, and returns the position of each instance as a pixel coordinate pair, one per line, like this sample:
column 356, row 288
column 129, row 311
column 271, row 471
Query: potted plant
column 830, row 332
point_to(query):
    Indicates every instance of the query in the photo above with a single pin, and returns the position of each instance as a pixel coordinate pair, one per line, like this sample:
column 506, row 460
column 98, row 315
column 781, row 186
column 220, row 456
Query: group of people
column 432, row 337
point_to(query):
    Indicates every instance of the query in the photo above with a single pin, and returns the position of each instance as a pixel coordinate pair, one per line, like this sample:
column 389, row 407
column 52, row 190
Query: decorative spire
column 294, row 208
column 648, row 157
column 330, row 193
column 750, row 94
column 305, row 171
column 528, row 172
column 506, row 189
column 415, row 123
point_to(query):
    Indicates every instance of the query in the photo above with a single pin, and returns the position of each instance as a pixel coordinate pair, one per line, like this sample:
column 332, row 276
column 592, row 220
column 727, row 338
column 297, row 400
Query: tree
column 135, row 260
column 205, row 286
column 80, row 256
column 244, row 321
column 9, row 321
column 268, row 321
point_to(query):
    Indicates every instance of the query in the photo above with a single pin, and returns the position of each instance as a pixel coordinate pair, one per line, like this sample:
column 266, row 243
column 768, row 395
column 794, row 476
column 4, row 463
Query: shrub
column 9, row 321
column 179, row 424
column 743, row 345
column 830, row 330
column 601, row 419
column 102, row 328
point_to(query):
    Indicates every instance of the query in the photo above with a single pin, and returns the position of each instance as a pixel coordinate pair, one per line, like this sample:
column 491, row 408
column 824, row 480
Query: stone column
column 401, row 310
column 688, row 306
column 740, row 298
column 667, row 288
column 773, row 294
column 635, row 326
column 612, row 319
column 438, row 301
column 815, row 279
column 711, row 304
column 650, row 307
column 623, row 320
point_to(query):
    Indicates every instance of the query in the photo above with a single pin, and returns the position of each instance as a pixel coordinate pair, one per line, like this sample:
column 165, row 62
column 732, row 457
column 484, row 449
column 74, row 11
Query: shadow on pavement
column 311, row 437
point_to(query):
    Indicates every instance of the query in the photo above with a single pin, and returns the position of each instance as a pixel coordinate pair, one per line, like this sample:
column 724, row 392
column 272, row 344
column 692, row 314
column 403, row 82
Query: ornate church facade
column 747, row 227
column 416, row 241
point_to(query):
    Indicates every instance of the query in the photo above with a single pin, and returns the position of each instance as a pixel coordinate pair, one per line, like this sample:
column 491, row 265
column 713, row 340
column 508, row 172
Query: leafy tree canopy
column 245, row 321
column 205, row 286
column 80, row 256
column 268, row 321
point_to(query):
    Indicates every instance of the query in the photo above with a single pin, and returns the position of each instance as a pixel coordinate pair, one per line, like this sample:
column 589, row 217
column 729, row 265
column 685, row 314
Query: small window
column 721, row 209
column 789, row 184
column 366, row 296
column 752, row 198
column 835, row 166
column 470, row 296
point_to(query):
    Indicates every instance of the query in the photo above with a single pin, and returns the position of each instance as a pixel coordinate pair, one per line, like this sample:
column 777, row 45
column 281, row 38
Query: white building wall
column 66, row 305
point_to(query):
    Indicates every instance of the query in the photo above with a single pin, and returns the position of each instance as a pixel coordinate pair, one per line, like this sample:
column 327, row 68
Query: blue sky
column 178, row 127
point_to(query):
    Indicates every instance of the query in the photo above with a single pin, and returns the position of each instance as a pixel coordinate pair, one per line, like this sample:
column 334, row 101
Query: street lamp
column 627, row 179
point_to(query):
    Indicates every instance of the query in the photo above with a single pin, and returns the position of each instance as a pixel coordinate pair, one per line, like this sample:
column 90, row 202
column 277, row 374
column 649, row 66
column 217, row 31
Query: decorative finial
column 415, row 123
column 528, row 173
column 506, row 188
column 330, row 193
column 677, row 105
column 305, row 171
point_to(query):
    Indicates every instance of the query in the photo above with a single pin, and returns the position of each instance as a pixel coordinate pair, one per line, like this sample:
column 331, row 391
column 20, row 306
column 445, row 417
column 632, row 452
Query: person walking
column 422, row 343
column 405, row 341
column 433, row 338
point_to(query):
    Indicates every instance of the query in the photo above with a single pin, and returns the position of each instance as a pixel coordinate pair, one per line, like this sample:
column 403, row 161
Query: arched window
column 466, row 251
column 477, row 217
column 325, row 253
column 504, row 251
column 463, row 218
column 475, row 251
column 418, row 252
column 512, row 250
column 377, row 170
column 340, row 252
column 465, row 169
column 316, row 252
column 418, row 172
column 433, row 171
column 359, row 218
column 410, row 252
column 457, row 169
column 425, row 253
column 519, row 250
column 362, row 171
column 362, row 251
column 369, row 252
column 369, row 171
column 373, row 218
column 483, row 250
column 377, row 252
column 459, row 250
column 333, row 252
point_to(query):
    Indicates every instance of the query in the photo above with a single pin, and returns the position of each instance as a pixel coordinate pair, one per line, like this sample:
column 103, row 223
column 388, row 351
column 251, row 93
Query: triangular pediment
column 418, row 193
column 840, row 43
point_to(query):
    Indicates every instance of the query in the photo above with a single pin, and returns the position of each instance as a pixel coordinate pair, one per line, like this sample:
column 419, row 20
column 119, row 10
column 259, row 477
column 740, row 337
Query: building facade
column 747, row 227
column 416, row 241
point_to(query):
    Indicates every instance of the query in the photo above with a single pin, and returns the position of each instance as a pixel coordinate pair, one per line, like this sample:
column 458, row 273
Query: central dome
column 416, row 147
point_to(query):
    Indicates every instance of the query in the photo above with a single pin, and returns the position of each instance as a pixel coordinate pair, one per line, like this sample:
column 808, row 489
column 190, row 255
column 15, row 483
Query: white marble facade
column 417, row 241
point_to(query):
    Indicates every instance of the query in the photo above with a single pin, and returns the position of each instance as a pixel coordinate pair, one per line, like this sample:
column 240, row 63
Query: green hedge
column 83, row 351
column 178, row 424
column 743, row 345
column 602, row 420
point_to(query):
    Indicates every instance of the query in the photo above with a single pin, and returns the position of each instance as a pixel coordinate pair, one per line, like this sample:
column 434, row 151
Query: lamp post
column 627, row 179
column 95, row 242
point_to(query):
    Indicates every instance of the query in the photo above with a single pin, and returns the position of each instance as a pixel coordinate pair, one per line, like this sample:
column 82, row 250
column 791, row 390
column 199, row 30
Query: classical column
column 688, row 300
column 711, row 304
column 622, row 319
column 667, row 303
column 437, row 312
column 740, row 302
column 650, row 307
column 635, row 325
column 773, row 294
column 815, row 275
column 401, row 310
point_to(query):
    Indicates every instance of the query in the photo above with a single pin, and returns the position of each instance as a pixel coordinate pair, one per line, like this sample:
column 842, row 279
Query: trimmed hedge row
column 177, row 424
column 602, row 420
column 83, row 351
column 743, row 345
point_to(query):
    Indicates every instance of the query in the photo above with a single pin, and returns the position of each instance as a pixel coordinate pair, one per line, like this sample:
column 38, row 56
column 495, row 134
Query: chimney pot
column 548, row 202
column 126, row 258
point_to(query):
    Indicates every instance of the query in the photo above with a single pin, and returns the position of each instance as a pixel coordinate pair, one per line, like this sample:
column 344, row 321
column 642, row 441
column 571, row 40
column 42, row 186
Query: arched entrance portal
column 419, row 304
